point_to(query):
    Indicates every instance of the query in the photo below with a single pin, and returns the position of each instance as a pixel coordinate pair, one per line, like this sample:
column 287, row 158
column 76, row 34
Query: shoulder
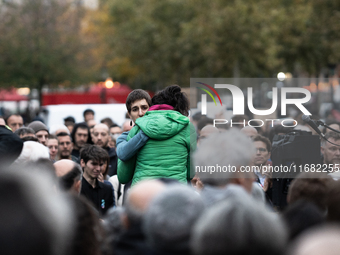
column 111, row 151
column 105, row 186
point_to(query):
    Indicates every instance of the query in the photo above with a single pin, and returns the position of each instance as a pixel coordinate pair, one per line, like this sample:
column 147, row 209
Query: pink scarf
column 161, row 107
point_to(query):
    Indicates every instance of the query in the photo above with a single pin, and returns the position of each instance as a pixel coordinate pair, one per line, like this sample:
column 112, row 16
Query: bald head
column 69, row 174
column 249, row 131
column 63, row 166
column 319, row 241
column 100, row 135
column 142, row 193
column 139, row 199
column 208, row 130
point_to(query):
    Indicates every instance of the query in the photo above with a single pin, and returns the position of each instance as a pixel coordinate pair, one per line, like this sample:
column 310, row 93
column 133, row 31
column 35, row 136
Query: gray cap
column 37, row 126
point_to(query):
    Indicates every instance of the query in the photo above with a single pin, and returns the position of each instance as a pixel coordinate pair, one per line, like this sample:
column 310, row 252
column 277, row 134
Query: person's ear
column 82, row 163
column 77, row 186
column 125, row 221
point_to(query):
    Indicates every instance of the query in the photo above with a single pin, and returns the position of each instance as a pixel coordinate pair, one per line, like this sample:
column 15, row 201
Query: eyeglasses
column 262, row 150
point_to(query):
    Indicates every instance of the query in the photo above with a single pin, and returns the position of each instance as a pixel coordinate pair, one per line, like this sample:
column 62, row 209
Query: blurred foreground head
column 238, row 227
column 139, row 199
column 34, row 219
column 220, row 154
column 169, row 219
column 323, row 240
column 69, row 175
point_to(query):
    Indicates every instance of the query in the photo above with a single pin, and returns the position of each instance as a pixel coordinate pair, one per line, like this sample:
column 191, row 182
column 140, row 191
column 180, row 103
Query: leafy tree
column 41, row 44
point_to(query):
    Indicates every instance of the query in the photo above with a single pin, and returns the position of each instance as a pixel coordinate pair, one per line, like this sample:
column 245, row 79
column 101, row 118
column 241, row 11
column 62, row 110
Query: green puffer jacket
column 166, row 153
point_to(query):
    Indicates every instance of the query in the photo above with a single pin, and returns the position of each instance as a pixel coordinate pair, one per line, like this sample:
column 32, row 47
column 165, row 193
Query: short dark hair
column 172, row 95
column 313, row 187
column 88, row 111
column 81, row 125
column 70, row 119
column 265, row 140
column 108, row 120
column 114, row 125
column 52, row 137
column 29, row 138
column 24, row 131
column 66, row 181
column 61, row 134
column 137, row 94
column 94, row 153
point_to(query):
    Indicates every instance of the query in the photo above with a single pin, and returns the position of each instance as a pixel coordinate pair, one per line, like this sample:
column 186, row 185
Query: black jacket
column 101, row 196
column 113, row 161
column 10, row 146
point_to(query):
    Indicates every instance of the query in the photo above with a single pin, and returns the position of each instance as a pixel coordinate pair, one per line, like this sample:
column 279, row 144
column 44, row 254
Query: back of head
column 238, row 227
column 108, row 121
column 24, row 131
column 249, row 131
column 32, row 151
column 231, row 148
column 170, row 217
column 58, row 128
column 113, row 223
column 323, row 240
column 312, row 187
column 139, row 199
column 89, row 234
column 333, row 214
column 301, row 216
column 68, row 172
column 172, row 95
column 34, row 218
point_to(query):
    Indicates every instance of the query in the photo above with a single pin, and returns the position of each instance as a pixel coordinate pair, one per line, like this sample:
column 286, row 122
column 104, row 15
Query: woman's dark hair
column 173, row 96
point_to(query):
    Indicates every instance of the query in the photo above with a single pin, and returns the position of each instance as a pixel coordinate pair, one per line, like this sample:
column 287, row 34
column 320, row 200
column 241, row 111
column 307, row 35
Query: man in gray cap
column 41, row 131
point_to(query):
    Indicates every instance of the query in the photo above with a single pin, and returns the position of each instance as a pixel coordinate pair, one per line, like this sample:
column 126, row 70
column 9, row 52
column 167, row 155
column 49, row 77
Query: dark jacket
column 113, row 161
column 132, row 242
column 166, row 153
column 101, row 196
column 10, row 146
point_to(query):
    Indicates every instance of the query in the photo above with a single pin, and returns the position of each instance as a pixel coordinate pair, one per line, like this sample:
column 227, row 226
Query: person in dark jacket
column 132, row 240
column 100, row 194
column 10, row 145
column 80, row 136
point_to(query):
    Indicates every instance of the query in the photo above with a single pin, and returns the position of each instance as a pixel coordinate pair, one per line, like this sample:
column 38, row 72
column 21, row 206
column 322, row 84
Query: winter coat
column 167, row 152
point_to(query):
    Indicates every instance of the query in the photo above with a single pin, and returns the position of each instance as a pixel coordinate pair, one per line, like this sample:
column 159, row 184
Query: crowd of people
column 142, row 188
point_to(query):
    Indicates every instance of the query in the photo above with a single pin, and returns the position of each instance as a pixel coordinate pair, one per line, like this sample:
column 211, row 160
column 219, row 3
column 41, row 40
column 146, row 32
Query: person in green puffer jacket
column 171, row 138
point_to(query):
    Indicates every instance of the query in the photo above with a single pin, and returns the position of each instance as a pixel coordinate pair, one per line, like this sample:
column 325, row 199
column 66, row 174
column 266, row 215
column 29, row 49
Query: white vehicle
column 55, row 114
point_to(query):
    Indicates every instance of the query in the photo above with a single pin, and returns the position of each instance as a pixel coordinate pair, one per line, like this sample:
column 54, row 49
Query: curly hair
column 172, row 95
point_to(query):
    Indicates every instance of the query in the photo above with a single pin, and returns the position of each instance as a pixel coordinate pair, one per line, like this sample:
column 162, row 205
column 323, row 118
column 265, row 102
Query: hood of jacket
column 162, row 124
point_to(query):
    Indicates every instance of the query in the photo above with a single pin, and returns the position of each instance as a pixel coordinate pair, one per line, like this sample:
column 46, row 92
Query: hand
column 265, row 185
column 197, row 183
column 100, row 177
